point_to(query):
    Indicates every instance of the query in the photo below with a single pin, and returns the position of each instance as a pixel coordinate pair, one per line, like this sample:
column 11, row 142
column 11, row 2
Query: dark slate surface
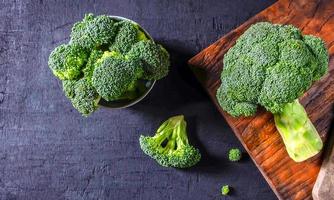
column 48, row 151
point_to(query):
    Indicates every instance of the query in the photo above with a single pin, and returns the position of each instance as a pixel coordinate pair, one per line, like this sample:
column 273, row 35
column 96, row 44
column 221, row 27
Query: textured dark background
column 48, row 151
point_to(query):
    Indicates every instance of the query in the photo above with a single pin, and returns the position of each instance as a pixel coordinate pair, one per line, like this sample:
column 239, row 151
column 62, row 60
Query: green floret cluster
column 272, row 65
column 154, row 57
column 66, row 61
column 170, row 146
column 106, row 58
column 82, row 95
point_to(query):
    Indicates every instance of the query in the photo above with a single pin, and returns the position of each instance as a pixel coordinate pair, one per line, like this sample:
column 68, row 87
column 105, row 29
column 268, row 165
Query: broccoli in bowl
column 109, row 61
column 272, row 65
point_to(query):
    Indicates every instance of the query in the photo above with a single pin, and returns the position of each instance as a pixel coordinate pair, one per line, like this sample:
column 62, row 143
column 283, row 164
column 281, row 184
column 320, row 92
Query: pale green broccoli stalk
column 294, row 125
column 273, row 65
column 66, row 61
column 234, row 154
column 170, row 146
column 93, row 31
column 127, row 35
column 82, row 94
column 113, row 76
column 155, row 59
column 225, row 190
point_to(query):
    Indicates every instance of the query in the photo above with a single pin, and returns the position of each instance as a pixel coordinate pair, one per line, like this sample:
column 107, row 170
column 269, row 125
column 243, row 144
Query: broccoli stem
column 166, row 130
column 182, row 139
column 299, row 135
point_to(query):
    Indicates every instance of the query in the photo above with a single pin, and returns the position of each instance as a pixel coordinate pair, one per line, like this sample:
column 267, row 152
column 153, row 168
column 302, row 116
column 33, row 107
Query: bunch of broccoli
column 273, row 65
column 170, row 146
column 106, row 58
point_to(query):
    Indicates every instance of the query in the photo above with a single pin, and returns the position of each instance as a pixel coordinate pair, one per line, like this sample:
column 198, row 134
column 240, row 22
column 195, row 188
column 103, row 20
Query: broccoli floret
column 272, row 65
column 82, row 94
column 225, row 190
column 95, row 55
column 155, row 59
column 93, row 31
column 113, row 75
column 170, row 146
column 66, row 61
column 234, row 154
column 127, row 35
column 68, row 88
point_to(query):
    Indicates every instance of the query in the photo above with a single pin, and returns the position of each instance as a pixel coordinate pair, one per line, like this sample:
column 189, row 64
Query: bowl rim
column 135, row 101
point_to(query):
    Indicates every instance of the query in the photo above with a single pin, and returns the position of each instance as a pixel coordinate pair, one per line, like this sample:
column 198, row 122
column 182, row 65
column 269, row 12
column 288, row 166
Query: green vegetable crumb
column 225, row 190
column 234, row 155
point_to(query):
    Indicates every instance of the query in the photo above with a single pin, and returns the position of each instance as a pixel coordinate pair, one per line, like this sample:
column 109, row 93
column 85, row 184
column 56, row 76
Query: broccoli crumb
column 225, row 190
column 234, row 154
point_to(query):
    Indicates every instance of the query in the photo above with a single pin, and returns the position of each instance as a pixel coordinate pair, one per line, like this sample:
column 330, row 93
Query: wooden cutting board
column 288, row 179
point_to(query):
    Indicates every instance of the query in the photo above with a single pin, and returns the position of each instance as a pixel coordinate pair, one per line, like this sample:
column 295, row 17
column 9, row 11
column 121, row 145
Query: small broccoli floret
column 93, row 31
column 318, row 48
column 155, row 59
column 68, row 88
column 272, row 65
column 95, row 55
column 66, row 61
column 82, row 95
column 234, row 154
column 225, row 190
column 232, row 107
column 113, row 76
column 127, row 35
column 170, row 146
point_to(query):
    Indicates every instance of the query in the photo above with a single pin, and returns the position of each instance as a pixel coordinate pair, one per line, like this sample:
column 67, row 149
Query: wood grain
column 288, row 179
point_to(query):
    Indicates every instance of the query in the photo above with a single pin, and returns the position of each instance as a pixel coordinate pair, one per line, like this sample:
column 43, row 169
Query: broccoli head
column 170, row 146
column 93, row 31
column 272, row 65
column 127, row 35
column 82, row 94
column 113, row 75
column 155, row 59
column 66, row 61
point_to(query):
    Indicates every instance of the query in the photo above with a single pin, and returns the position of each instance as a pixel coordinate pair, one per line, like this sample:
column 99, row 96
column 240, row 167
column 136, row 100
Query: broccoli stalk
column 170, row 146
column 299, row 135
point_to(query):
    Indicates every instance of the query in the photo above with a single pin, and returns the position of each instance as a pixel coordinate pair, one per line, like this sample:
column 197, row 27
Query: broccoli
column 66, row 61
column 82, row 94
column 86, row 62
column 68, row 88
column 225, row 190
column 113, row 75
column 93, row 31
column 272, row 65
column 170, row 146
column 127, row 35
column 95, row 55
column 155, row 59
column 234, row 154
